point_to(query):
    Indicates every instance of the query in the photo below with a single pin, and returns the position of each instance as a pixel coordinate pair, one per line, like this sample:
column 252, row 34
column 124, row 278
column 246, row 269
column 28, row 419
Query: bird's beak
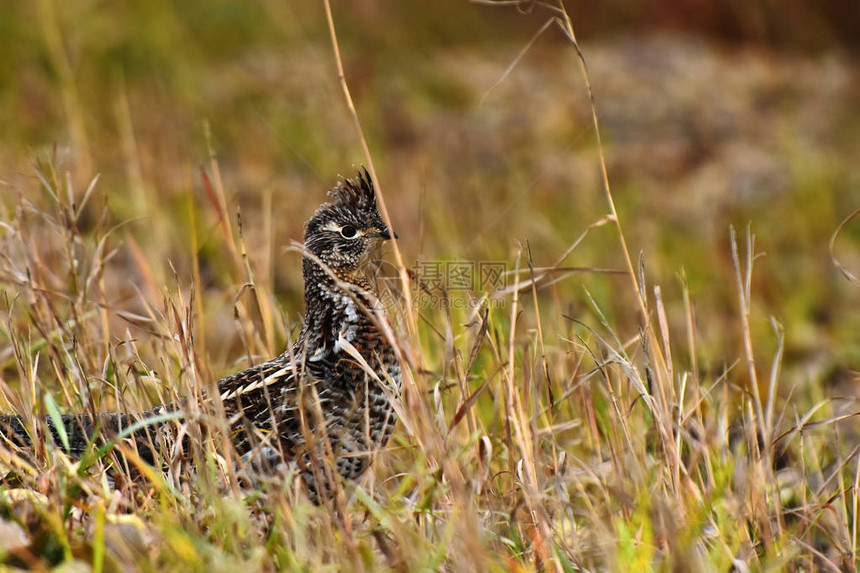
column 386, row 234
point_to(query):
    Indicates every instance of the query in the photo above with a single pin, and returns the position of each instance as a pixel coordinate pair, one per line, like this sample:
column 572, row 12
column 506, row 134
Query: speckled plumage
column 341, row 370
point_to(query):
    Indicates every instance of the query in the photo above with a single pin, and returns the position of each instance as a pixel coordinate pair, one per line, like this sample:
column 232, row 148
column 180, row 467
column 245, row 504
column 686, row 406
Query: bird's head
column 344, row 233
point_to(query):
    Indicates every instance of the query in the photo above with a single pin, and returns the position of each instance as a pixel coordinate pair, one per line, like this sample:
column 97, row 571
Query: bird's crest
column 355, row 192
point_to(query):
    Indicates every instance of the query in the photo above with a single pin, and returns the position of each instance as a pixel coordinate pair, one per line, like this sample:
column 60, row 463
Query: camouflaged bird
column 329, row 396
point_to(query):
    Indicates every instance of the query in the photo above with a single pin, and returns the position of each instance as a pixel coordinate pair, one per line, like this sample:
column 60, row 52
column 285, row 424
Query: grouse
column 326, row 404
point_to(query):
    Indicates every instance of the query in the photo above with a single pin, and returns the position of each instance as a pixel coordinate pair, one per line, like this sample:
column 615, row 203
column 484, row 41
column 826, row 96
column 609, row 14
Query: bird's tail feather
column 75, row 432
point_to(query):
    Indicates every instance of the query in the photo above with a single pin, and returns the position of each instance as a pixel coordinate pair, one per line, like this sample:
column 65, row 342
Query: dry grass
column 573, row 426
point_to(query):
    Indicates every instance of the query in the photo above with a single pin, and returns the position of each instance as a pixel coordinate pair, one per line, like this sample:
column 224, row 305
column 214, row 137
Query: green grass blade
column 57, row 420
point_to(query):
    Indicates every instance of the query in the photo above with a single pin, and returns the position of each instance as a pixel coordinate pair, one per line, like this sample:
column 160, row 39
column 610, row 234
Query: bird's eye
column 348, row 232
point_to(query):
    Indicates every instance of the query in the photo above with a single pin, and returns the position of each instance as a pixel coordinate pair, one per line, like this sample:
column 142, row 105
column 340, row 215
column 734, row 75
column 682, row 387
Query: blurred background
column 712, row 114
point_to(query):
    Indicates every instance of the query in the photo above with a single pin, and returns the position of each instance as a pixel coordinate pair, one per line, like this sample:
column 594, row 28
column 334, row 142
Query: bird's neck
column 332, row 282
column 333, row 299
